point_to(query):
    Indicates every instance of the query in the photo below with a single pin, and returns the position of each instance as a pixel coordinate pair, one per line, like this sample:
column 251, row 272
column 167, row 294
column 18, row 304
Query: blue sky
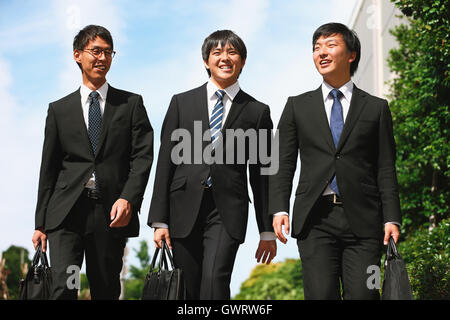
column 158, row 46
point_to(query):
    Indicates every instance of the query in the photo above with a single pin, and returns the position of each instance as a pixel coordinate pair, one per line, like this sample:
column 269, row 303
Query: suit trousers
column 332, row 255
column 85, row 232
column 207, row 255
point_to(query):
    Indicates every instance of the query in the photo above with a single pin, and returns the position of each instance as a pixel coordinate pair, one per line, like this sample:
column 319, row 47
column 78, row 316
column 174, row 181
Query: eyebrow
column 318, row 42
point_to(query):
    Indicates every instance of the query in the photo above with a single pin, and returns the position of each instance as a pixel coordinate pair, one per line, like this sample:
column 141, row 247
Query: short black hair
column 91, row 32
column 223, row 37
column 350, row 37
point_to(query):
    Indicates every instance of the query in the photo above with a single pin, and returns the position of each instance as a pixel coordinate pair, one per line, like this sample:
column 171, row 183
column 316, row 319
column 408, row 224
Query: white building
column 372, row 20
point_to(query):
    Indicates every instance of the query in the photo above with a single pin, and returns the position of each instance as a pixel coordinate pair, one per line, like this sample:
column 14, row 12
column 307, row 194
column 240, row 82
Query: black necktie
column 95, row 124
column 95, row 121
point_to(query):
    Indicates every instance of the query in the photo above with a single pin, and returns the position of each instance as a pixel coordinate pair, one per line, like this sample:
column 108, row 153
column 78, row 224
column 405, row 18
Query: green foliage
column 135, row 284
column 280, row 281
column 12, row 258
column 427, row 258
column 420, row 95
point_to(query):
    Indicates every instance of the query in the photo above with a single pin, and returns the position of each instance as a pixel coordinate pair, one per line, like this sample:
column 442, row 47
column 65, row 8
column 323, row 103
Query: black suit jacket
column 364, row 162
column 178, row 189
column 122, row 163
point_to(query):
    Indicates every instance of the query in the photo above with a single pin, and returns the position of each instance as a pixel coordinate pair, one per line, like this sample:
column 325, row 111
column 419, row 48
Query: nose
column 102, row 55
column 224, row 56
column 323, row 52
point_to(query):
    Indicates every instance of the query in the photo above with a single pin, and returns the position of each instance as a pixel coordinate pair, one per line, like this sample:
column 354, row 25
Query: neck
column 337, row 83
column 222, row 84
column 93, row 84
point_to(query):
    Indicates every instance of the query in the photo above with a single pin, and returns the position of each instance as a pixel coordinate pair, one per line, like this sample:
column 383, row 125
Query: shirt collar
column 85, row 92
column 230, row 91
column 346, row 89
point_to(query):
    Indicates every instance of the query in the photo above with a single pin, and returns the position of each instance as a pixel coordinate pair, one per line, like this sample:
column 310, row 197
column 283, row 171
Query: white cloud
column 19, row 138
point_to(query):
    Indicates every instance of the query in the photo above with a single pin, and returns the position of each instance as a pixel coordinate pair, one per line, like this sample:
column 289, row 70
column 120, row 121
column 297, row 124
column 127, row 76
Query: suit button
column 338, row 156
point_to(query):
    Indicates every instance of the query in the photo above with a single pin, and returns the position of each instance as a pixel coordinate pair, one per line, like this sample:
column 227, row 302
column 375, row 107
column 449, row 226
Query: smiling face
column 94, row 68
column 333, row 60
column 225, row 65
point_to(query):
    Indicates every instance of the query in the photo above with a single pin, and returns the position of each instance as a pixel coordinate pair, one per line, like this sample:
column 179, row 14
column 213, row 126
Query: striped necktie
column 215, row 124
column 336, row 125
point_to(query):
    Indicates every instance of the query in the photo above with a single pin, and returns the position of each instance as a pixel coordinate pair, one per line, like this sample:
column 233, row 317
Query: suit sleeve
column 141, row 156
column 280, row 184
column 387, row 176
column 260, row 182
column 50, row 167
column 159, row 207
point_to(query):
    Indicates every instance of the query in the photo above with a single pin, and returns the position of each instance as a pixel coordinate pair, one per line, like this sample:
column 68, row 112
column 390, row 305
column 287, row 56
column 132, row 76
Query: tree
column 420, row 95
column 135, row 284
column 279, row 281
column 15, row 257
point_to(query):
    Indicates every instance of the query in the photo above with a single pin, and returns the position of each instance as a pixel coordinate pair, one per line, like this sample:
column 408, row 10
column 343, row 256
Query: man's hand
column 120, row 213
column 278, row 223
column 391, row 229
column 267, row 250
column 161, row 234
column 39, row 236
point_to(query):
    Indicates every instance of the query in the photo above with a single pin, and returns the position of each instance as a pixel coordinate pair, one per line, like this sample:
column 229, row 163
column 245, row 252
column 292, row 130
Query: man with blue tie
column 347, row 188
column 96, row 160
column 201, row 208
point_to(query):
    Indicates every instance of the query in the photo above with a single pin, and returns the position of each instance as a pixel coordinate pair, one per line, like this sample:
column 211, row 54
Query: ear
column 206, row 64
column 352, row 56
column 77, row 55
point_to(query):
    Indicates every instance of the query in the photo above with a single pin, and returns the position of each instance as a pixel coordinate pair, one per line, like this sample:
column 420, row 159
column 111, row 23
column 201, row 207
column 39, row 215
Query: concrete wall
column 372, row 20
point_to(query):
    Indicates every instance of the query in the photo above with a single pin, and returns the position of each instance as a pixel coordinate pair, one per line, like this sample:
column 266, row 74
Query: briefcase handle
column 392, row 252
column 162, row 264
column 40, row 256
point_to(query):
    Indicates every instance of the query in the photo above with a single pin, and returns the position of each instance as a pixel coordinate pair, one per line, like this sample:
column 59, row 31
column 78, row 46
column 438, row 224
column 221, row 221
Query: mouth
column 325, row 63
column 100, row 67
column 226, row 68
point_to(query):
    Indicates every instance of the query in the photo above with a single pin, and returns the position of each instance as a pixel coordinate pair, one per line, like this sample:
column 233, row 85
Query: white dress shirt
column 85, row 102
column 227, row 101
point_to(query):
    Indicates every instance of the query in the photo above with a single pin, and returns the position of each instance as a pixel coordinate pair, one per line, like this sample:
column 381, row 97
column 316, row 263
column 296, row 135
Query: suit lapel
column 110, row 109
column 237, row 106
column 199, row 110
column 318, row 110
column 356, row 106
column 201, row 107
column 75, row 115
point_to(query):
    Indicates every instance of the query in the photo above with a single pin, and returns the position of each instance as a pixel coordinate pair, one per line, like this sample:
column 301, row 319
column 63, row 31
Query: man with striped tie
column 200, row 208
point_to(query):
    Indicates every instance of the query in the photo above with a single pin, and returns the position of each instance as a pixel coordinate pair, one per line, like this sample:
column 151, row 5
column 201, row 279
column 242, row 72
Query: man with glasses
column 96, row 160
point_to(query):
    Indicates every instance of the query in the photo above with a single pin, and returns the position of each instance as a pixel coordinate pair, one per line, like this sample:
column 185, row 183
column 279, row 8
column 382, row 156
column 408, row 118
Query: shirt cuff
column 267, row 236
column 281, row 213
column 159, row 225
column 393, row 222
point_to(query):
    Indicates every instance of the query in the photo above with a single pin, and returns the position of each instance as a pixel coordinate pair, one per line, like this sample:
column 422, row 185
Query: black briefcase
column 37, row 284
column 162, row 283
column 396, row 284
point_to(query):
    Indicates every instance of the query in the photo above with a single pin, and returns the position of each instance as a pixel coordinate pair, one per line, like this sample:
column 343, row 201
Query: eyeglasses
column 97, row 52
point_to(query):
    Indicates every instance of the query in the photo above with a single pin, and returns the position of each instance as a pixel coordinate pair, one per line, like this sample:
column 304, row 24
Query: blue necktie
column 336, row 125
column 215, row 123
column 95, row 124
